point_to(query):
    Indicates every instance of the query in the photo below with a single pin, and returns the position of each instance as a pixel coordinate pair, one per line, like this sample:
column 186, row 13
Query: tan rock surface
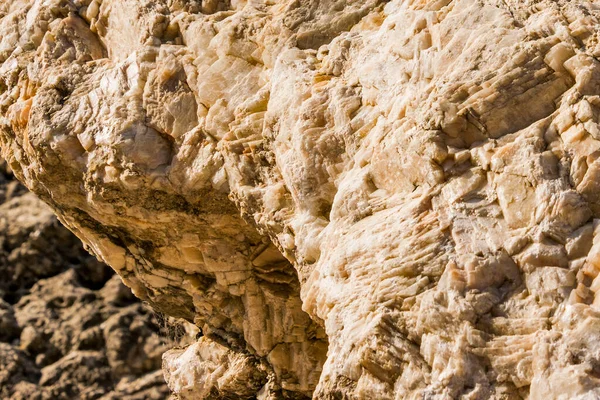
column 352, row 199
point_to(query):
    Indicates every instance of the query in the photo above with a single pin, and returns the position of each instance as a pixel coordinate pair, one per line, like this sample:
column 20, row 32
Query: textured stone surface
column 69, row 329
column 351, row 199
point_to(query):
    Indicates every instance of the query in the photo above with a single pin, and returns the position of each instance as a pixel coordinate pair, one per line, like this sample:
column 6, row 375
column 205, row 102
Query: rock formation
column 360, row 199
column 69, row 329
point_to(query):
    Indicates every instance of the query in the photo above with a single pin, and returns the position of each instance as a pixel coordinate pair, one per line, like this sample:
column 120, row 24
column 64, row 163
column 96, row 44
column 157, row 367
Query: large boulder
column 350, row 199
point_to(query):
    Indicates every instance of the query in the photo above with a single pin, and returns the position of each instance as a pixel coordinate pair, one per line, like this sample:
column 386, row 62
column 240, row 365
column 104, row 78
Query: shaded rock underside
column 69, row 329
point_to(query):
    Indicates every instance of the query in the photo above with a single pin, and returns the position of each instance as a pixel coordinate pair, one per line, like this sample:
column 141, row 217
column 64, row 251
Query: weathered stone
column 369, row 199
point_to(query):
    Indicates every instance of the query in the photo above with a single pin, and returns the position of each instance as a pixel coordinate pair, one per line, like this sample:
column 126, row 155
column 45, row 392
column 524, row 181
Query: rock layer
column 352, row 199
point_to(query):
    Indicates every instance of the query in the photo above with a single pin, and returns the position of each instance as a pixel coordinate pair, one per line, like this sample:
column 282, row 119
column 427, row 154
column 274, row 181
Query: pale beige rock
column 369, row 199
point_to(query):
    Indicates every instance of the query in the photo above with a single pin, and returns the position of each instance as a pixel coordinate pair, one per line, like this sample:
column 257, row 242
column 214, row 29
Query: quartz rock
column 369, row 199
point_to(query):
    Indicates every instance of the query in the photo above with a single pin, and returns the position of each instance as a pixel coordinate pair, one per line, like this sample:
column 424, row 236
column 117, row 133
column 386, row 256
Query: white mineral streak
column 360, row 199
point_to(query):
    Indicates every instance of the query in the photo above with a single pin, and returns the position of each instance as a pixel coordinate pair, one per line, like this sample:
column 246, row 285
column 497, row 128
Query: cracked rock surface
column 69, row 329
column 360, row 199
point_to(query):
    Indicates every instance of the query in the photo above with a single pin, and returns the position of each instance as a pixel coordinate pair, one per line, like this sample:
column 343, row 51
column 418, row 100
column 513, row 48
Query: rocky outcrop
column 69, row 329
column 368, row 199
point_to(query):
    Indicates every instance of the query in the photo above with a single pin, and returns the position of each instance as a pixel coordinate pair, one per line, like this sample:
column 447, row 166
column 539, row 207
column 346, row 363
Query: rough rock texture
column 69, row 329
column 352, row 199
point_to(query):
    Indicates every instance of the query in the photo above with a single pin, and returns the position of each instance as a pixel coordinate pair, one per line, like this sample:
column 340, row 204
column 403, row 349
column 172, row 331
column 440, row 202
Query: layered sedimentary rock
column 69, row 329
column 351, row 199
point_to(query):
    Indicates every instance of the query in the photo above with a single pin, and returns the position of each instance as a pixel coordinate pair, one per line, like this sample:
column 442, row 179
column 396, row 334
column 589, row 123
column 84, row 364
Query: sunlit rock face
column 359, row 199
